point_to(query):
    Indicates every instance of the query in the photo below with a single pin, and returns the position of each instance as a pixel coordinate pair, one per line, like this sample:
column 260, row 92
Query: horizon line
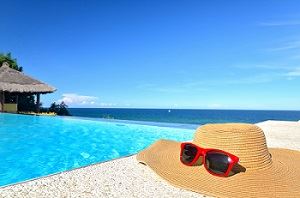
column 147, row 108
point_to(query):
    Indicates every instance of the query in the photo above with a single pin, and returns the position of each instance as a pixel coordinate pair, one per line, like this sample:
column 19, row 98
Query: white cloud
column 104, row 104
column 271, row 72
column 292, row 45
column 75, row 99
column 294, row 73
column 274, row 66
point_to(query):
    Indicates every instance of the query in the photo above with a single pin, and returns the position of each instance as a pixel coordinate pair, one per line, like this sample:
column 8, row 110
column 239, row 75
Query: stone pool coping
column 125, row 177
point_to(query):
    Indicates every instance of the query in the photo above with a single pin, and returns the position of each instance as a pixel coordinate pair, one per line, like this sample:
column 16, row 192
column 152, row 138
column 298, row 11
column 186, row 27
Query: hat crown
column 247, row 141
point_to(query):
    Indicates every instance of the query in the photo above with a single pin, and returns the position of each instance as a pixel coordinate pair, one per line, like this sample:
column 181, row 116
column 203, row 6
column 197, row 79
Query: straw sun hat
column 263, row 172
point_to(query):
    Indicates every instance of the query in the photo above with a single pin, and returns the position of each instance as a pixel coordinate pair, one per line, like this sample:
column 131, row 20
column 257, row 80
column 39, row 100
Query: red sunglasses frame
column 202, row 152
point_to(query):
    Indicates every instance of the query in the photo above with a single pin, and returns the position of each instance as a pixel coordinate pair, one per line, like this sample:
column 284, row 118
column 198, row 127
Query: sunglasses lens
column 217, row 163
column 189, row 153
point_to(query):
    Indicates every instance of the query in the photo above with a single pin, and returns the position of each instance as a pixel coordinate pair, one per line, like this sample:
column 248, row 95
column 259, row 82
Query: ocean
column 185, row 116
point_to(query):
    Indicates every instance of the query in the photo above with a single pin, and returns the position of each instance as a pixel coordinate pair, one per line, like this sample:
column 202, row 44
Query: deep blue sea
column 186, row 116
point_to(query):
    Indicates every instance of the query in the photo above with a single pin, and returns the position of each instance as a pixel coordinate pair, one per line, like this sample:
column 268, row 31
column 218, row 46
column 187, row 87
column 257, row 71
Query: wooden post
column 17, row 102
column 1, row 101
column 38, row 103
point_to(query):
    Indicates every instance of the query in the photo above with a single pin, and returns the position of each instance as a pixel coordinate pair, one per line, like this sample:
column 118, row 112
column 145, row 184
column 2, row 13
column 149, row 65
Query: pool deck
column 126, row 178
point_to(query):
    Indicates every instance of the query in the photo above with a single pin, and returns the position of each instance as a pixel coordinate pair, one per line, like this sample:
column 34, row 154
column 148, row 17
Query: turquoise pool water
column 34, row 146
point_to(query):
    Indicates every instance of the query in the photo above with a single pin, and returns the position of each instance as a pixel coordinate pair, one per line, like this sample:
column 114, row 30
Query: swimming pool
column 34, row 146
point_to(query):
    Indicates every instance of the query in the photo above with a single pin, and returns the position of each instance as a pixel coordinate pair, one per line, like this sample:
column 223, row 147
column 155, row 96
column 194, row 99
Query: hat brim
column 281, row 179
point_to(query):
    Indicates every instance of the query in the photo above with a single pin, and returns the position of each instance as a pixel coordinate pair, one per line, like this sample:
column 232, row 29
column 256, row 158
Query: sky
column 159, row 54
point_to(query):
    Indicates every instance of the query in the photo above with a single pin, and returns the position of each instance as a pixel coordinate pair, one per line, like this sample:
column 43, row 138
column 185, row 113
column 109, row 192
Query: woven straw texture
column 14, row 81
column 269, row 172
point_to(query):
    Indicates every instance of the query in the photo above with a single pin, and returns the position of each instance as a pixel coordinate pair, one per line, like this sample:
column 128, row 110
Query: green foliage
column 11, row 61
column 26, row 103
column 59, row 109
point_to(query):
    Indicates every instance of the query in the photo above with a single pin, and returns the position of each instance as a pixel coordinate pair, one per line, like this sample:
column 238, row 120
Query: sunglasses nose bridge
column 201, row 151
column 200, row 157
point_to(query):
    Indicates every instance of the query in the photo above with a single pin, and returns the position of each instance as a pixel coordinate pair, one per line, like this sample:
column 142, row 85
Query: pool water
column 34, row 146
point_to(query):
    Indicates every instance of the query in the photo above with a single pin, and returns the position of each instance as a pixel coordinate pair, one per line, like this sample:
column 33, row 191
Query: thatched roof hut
column 13, row 81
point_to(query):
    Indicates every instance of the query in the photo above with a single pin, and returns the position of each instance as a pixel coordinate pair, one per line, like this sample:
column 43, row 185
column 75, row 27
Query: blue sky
column 159, row 54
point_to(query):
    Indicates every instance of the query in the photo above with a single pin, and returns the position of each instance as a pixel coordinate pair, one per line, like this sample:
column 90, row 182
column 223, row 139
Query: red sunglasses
column 216, row 162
